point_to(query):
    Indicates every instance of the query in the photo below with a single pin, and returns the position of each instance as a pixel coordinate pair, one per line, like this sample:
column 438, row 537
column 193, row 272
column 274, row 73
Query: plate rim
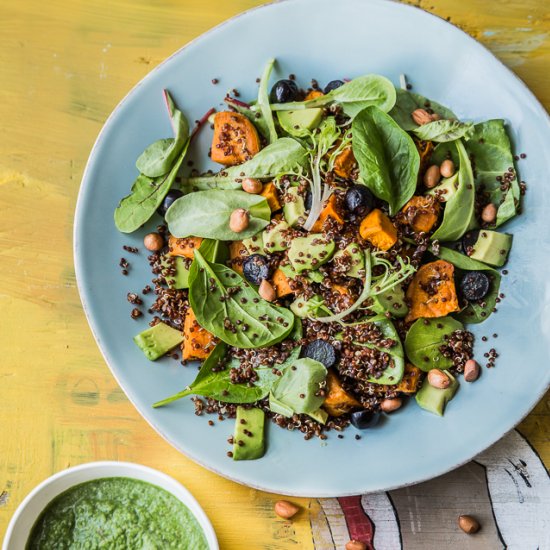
column 85, row 299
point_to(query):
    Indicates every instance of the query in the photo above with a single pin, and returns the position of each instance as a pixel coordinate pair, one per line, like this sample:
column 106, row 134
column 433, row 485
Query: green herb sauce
column 116, row 513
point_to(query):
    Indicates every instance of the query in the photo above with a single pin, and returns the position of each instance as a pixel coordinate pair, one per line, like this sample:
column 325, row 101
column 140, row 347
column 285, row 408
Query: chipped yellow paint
column 64, row 65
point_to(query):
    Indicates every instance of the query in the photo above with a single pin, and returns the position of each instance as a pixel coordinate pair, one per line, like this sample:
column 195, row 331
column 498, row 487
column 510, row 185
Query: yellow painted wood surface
column 64, row 65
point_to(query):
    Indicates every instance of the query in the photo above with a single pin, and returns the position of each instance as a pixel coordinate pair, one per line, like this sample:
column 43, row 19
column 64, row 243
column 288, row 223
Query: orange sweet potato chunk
column 237, row 253
column 422, row 213
column 281, row 283
column 270, row 193
column 330, row 210
column 197, row 341
column 432, row 291
column 183, row 247
column 410, row 381
column 345, row 163
column 378, row 229
column 338, row 401
column 313, row 94
column 235, row 139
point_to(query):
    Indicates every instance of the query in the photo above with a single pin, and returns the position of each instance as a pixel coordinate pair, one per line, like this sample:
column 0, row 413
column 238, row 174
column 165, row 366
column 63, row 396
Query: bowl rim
column 481, row 50
column 173, row 486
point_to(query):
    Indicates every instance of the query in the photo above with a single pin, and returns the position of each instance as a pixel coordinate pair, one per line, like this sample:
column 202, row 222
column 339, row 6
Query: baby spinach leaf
column 284, row 156
column 387, row 157
column 444, row 130
column 160, row 156
column 144, row 198
column 263, row 101
column 217, row 383
column 353, row 96
column 459, row 209
column 491, row 150
column 474, row 312
column 393, row 374
column 424, row 340
column 228, row 307
column 297, row 390
column 407, row 102
column 206, row 214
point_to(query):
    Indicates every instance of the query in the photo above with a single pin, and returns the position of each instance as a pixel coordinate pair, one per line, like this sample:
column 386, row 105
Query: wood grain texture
column 64, row 65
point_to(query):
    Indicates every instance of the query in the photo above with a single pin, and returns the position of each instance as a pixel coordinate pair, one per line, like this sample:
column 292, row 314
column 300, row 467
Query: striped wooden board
column 64, row 65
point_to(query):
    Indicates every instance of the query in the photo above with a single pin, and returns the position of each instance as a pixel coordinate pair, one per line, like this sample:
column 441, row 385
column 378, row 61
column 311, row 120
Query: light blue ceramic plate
column 324, row 39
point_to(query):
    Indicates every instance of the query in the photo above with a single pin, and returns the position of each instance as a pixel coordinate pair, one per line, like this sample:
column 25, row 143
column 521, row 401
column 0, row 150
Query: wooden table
column 64, row 65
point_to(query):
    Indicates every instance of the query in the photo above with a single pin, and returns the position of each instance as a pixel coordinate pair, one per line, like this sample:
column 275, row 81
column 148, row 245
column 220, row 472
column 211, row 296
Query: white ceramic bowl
column 28, row 511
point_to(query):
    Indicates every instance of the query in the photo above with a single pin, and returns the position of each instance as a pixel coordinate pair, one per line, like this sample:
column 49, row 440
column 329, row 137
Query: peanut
column 285, row 509
column 438, row 379
column 469, row 524
column 356, row 545
column 390, row 405
column 489, row 213
column 266, row 291
column 153, row 242
column 471, row 370
column 432, row 176
column 421, row 117
column 447, row 168
column 251, row 185
column 239, row 220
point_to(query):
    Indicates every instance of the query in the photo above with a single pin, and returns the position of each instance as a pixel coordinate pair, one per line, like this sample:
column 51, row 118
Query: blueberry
column 469, row 240
column 171, row 196
column 321, row 351
column 284, row 91
column 308, row 201
column 359, row 199
column 332, row 85
column 475, row 285
column 363, row 420
column 256, row 268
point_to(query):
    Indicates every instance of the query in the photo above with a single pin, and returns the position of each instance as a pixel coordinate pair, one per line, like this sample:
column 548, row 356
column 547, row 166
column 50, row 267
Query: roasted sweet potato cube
column 422, row 212
column 197, row 341
column 235, row 139
column 338, row 401
column 185, row 246
column 378, row 229
column 345, row 163
column 410, row 381
column 281, row 283
column 269, row 192
column 237, row 253
column 330, row 210
column 432, row 292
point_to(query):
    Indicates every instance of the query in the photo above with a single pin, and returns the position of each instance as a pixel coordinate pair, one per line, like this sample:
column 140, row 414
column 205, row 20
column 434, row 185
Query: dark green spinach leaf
column 387, row 157
column 442, row 131
column 206, row 214
column 228, row 307
column 353, row 96
column 144, row 198
column 424, row 340
column 407, row 102
column 284, row 156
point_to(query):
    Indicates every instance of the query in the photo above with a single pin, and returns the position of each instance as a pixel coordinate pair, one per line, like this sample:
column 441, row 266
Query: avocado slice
column 309, row 253
column 300, row 123
column 492, row 247
column 255, row 244
column 313, row 276
column 253, row 441
column 447, row 188
column 294, row 211
column 158, row 340
column 356, row 259
column 181, row 277
column 275, row 238
column 392, row 300
column 435, row 400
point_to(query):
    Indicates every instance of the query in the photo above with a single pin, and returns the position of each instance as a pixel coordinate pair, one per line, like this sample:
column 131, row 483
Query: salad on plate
column 327, row 273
